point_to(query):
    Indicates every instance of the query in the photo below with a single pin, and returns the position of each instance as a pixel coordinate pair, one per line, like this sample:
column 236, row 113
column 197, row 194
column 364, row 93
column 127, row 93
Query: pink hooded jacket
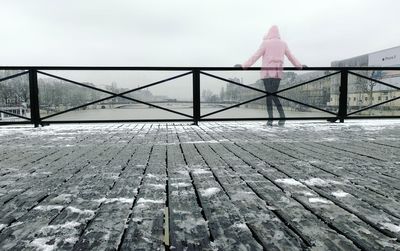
column 272, row 50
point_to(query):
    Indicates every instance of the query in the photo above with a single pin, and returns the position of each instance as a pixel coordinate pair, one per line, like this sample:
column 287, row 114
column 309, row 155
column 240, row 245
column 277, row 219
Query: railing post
column 196, row 96
column 343, row 95
column 34, row 97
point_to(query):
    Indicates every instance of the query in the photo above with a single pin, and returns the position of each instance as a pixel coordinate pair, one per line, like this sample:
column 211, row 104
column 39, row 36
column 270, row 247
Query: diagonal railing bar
column 270, row 94
column 307, row 82
column 15, row 115
column 372, row 106
column 13, row 76
column 157, row 82
column 308, row 105
column 375, row 80
column 74, row 82
column 159, row 107
column 232, row 82
column 259, row 90
column 115, row 94
column 76, row 108
column 233, row 106
column 132, row 99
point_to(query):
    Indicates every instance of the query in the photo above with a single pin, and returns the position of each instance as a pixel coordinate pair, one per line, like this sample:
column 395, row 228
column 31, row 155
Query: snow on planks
column 219, row 186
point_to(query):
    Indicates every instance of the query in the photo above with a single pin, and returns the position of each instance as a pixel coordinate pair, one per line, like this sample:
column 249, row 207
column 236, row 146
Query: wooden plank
column 188, row 225
column 145, row 229
column 227, row 227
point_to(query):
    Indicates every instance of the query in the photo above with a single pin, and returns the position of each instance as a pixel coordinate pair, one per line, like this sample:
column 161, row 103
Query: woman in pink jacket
column 272, row 51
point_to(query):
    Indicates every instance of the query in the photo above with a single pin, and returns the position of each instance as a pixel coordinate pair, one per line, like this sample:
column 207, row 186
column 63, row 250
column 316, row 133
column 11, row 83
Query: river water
column 145, row 112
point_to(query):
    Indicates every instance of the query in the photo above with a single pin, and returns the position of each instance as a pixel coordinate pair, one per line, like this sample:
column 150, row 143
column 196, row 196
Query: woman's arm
column 255, row 57
column 292, row 58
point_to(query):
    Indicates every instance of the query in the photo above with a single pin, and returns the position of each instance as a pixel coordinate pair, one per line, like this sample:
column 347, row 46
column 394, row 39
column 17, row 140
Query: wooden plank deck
column 218, row 186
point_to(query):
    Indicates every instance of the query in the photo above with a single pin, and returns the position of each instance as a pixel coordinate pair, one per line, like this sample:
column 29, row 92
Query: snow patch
column 306, row 193
column 391, row 227
column 387, row 244
column 189, row 224
column 66, row 197
column 340, row 194
column 242, row 196
column 41, row 244
column 320, row 182
column 201, row 171
column 290, row 182
column 201, row 142
column 112, row 200
column 157, row 186
column 17, row 223
column 240, row 226
column 142, row 201
column 316, row 182
column 71, row 240
column 271, row 208
column 68, row 225
column 209, row 191
column 66, row 232
column 319, row 200
column 79, row 211
column 181, row 184
column 48, row 208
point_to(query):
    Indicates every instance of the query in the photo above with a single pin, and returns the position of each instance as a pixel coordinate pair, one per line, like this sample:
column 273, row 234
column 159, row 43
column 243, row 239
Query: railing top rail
column 187, row 68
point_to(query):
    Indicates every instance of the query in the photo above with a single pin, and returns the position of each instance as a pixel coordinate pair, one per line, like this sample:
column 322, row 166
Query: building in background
column 363, row 92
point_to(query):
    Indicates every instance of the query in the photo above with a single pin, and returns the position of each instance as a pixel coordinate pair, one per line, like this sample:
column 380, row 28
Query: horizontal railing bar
column 13, row 76
column 15, row 115
column 160, row 68
column 373, row 117
column 372, row 106
column 266, row 118
column 374, row 80
column 115, row 121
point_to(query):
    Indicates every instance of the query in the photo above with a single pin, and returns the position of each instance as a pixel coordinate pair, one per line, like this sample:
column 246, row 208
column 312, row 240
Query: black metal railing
column 196, row 73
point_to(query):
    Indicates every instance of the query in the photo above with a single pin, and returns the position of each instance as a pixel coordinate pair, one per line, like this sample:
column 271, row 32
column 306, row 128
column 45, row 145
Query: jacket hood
column 272, row 33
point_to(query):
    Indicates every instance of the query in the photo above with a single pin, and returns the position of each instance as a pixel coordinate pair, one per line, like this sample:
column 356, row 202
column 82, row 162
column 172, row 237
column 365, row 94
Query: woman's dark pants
column 272, row 85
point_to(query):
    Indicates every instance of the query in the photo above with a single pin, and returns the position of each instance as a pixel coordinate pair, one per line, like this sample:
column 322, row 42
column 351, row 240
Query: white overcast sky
column 190, row 32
